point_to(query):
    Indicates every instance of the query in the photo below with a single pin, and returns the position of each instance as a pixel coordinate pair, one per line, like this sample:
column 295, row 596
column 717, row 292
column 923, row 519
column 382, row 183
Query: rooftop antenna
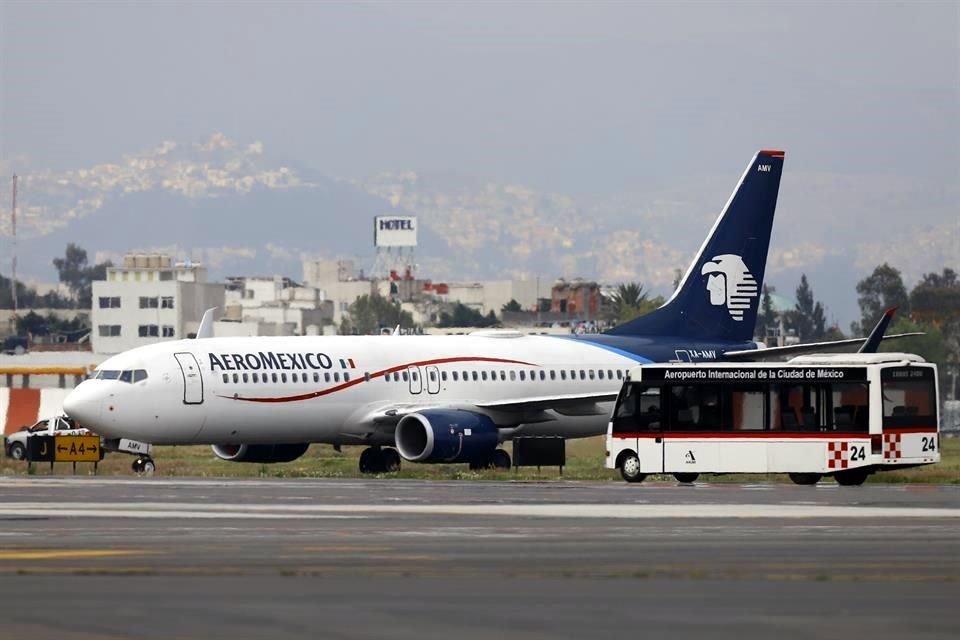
column 13, row 221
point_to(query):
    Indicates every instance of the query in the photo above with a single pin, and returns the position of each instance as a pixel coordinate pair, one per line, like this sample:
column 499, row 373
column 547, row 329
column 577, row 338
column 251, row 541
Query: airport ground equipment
column 844, row 416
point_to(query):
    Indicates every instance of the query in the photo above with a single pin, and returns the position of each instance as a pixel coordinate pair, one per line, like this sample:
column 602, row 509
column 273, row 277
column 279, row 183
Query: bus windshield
column 638, row 409
column 909, row 397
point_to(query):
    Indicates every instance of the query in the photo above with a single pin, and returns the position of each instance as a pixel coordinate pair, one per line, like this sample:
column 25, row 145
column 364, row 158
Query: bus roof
column 821, row 360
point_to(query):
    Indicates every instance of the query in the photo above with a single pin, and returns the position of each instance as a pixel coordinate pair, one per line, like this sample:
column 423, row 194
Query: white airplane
column 436, row 399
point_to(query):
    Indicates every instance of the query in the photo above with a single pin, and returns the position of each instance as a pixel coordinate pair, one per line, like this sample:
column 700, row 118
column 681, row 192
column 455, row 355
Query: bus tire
column 851, row 477
column 629, row 465
column 686, row 478
column 805, row 478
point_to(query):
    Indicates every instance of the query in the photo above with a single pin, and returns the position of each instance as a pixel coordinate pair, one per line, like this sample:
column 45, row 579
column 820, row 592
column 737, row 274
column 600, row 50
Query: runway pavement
column 162, row 558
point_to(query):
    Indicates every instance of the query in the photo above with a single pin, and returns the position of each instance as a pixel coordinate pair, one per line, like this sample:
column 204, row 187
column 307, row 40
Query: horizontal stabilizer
column 838, row 346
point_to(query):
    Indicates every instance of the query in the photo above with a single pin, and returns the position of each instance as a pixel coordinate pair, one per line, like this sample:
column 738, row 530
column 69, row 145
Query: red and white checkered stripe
column 891, row 446
column 837, row 455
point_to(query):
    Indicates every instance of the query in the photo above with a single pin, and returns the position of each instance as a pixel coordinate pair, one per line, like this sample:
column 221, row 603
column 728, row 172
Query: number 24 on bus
column 845, row 416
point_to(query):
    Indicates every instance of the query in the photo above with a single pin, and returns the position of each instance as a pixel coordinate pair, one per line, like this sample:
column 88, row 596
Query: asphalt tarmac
column 171, row 558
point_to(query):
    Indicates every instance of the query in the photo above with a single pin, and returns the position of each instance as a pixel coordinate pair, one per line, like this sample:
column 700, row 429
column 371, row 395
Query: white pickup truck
column 16, row 443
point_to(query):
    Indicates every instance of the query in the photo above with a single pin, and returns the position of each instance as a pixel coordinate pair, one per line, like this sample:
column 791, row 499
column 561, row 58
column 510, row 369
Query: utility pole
column 13, row 279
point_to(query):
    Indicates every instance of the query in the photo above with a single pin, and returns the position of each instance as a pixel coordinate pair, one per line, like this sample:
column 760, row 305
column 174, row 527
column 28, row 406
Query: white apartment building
column 148, row 299
column 274, row 306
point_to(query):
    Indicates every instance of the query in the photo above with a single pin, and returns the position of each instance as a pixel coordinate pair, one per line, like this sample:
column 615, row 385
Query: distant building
column 148, row 299
column 274, row 306
column 578, row 299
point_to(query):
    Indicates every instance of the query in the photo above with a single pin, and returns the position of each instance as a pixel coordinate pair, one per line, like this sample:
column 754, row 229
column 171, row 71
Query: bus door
column 637, row 425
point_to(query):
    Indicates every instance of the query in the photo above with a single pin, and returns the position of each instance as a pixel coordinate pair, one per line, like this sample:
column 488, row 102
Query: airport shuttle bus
column 846, row 416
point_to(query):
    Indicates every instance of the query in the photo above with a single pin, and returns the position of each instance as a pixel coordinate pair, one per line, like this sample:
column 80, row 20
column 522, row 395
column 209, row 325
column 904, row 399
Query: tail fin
column 719, row 295
column 876, row 336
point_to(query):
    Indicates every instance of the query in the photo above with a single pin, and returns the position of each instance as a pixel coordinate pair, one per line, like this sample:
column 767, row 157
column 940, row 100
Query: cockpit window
column 127, row 375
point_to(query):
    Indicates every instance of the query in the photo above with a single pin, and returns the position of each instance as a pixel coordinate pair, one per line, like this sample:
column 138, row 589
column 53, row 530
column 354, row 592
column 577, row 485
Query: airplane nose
column 84, row 405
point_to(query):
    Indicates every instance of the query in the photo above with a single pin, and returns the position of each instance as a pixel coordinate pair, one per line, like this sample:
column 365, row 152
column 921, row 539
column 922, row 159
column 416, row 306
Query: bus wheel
column 805, row 478
column 630, row 468
column 851, row 477
column 686, row 478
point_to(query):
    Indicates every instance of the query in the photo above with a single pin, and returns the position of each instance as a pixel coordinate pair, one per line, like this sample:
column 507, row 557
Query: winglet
column 206, row 324
column 876, row 336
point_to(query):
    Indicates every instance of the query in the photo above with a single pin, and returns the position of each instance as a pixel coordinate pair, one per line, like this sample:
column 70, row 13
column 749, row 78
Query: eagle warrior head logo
column 730, row 284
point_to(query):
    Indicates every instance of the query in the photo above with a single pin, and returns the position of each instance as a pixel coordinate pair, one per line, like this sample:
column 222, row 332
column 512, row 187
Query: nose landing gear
column 144, row 465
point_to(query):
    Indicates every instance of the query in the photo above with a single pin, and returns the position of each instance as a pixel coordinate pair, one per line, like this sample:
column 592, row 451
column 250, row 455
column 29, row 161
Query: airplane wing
column 505, row 413
column 772, row 353
column 867, row 345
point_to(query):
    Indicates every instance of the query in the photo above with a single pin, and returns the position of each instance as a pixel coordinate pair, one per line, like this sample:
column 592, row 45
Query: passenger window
column 563, row 374
column 553, row 374
column 316, row 377
column 293, row 377
column 600, row 374
column 326, row 377
column 245, row 379
column 226, row 378
column 609, row 374
column 336, row 376
column 543, row 374
column 406, row 377
column 522, row 373
column 346, row 376
column 475, row 376
column 283, row 377
column 236, row 378
column 366, row 376
column 274, row 378
column 256, row 378
column 591, row 374
column 619, row 374
column 433, row 376
column 443, row 376
column 483, row 375
column 455, row 376
column 513, row 376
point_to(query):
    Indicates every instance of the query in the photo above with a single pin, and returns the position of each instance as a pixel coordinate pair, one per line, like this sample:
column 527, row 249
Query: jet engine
column 259, row 452
column 446, row 435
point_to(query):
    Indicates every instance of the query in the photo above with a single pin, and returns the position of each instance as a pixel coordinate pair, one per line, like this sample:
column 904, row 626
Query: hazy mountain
column 236, row 208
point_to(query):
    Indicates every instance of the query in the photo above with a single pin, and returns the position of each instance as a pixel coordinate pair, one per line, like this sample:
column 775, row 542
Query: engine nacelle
column 446, row 435
column 260, row 452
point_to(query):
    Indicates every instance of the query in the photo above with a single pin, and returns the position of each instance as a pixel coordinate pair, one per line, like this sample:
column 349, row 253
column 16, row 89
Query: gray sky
column 575, row 98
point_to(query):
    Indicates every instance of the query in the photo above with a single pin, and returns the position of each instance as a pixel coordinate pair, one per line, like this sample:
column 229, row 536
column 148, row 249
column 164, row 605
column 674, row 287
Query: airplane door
column 433, row 380
column 192, row 380
column 416, row 384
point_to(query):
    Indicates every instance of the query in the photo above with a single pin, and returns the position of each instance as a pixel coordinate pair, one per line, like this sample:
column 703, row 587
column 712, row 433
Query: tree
column 768, row 315
column 78, row 275
column 878, row 292
column 808, row 318
column 511, row 307
column 936, row 301
column 629, row 301
column 370, row 313
column 463, row 316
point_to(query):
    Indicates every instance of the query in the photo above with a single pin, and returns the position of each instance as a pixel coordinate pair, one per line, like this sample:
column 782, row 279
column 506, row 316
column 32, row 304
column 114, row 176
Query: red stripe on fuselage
column 379, row 374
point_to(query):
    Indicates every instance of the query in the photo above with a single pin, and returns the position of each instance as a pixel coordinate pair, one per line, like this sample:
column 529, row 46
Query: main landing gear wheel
column 851, row 477
column 686, row 478
column 372, row 460
column 500, row 460
column 18, row 451
column 391, row 460
column 630, row 468
column 144, row 465
column 805, row 478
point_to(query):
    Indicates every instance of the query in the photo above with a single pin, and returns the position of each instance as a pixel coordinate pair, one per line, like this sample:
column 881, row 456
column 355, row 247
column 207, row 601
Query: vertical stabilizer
column 719, row 295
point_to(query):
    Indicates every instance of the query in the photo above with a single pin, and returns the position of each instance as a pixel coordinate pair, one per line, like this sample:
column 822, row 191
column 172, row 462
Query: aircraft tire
column 391, row 460
column 371, row 461
column 686, row 478
column 18, row 451
column 630, row 468
column 137, row 465
column 807, row 479
column 851, row 477
column 148, row 466
column 500, row 460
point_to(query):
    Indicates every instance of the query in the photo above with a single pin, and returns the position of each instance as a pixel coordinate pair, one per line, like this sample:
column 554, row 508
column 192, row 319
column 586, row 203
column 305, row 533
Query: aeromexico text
column 758, row 374
column 271, row 360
